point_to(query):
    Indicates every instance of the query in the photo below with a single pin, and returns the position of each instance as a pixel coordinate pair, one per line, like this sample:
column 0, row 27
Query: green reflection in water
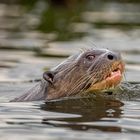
column 57, row 19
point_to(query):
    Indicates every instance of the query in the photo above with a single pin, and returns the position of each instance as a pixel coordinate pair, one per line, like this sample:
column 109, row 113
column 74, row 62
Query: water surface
column 37, row 36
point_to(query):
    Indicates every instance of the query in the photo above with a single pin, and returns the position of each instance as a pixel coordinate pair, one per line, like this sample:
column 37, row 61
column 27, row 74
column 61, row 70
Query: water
column 34, row 39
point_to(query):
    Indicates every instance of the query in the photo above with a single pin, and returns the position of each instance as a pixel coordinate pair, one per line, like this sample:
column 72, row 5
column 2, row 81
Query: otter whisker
column 77, row 85
column 92, row 81
column 91, row 44
column 99, row 78
column 85, row 79
column 124, row 75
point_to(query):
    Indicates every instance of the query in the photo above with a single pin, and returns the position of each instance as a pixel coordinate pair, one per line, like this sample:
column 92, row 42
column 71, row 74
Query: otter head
column 91, row 70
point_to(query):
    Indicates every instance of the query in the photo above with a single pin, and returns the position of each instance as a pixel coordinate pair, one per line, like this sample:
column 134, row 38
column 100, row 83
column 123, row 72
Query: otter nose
column 113, row 56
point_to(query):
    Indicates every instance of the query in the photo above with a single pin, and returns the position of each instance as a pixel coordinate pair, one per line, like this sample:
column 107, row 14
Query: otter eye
column 90, row 57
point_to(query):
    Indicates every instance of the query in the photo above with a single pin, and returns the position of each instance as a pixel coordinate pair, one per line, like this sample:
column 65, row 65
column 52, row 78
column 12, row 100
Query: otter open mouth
column 110, row 80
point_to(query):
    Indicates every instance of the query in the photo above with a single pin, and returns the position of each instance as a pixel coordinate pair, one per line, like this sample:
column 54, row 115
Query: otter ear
column 48, row 76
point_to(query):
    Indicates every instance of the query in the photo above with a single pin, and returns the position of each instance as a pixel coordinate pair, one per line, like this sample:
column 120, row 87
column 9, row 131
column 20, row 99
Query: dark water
column 37, row 35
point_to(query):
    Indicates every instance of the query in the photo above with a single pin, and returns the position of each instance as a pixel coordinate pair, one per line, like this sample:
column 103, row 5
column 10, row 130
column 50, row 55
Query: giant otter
column 90, row 70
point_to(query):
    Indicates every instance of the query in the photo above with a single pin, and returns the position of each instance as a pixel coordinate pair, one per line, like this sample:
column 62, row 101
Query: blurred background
column 36, row 35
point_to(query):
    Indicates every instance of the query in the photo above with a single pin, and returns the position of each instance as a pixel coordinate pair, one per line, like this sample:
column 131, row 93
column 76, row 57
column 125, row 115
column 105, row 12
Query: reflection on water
column 37, row 35
column 90, row 109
